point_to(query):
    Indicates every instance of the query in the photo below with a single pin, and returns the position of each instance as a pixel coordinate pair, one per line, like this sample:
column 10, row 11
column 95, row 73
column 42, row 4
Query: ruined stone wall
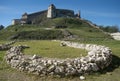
column 97, row 59
column 6, row 46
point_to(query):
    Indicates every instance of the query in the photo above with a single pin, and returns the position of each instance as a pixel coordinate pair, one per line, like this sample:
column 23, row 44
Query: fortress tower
column 51, row 13
column 78, row 14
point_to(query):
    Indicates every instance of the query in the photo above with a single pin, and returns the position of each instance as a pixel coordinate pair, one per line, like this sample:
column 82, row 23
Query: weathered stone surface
column 116, row 36
column 98, row 58
column 82, row 78
column 6, row 46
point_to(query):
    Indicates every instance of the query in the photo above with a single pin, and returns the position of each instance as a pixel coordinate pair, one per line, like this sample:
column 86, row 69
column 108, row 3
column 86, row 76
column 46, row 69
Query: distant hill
column 57, row 28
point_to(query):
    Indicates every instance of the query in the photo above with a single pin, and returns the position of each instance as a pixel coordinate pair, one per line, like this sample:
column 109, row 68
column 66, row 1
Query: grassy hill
column 74, row 29
column 58, row 28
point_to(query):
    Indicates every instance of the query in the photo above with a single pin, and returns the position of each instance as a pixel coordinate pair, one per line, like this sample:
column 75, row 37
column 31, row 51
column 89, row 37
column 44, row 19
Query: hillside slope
column 58, row 28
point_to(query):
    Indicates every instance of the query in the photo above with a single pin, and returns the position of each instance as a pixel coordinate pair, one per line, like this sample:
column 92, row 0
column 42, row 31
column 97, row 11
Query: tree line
column 110, row 29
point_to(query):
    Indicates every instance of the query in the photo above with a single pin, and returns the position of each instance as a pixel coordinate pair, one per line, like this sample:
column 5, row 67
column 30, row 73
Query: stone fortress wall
column 32, row 18
column 98, row 58
column 51, row 12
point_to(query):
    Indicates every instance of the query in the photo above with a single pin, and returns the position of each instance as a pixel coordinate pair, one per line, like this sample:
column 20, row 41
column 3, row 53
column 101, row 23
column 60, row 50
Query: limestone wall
column 35, row 18
column 98, row 58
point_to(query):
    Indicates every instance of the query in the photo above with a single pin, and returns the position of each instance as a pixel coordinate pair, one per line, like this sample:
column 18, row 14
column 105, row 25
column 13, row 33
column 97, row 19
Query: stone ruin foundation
column 98, row 58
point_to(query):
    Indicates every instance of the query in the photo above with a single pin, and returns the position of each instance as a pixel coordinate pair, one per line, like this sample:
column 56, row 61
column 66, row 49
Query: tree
column 1, row 27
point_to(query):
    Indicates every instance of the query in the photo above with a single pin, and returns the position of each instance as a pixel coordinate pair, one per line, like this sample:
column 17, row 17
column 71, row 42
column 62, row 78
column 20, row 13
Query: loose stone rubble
column 98, row 58
column 6, row 46
column 82, row 78
column 116, row 36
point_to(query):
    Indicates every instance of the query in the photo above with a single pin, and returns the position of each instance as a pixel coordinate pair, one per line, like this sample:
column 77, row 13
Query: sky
column 100, row 12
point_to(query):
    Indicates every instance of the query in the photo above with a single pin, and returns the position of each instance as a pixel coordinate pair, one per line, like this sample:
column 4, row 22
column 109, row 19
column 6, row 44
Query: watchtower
column 51, row 13
column 78, row 14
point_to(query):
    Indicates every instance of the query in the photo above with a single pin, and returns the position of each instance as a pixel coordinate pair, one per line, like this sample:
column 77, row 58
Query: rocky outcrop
column 98, row 58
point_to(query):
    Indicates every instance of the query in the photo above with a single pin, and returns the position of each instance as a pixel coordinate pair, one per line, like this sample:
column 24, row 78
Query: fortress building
column 50, row 13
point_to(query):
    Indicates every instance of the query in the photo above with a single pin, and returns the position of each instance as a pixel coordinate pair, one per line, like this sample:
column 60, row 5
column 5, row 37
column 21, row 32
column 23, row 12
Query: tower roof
column 25, row 14
column 52, row 5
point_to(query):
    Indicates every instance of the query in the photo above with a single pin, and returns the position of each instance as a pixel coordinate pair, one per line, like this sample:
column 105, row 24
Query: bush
column 40, row 35
column 110, row 29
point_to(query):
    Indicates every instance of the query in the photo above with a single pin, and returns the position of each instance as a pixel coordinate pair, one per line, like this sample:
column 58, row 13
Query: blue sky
column 101, row 12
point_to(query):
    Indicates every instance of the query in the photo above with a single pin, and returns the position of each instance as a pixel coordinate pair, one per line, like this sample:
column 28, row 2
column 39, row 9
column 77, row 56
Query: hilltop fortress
column 52, row 12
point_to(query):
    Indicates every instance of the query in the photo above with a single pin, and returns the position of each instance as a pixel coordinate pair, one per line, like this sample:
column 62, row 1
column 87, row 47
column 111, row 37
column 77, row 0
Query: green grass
column 51, row 49
column 86, row 34
column 9, row 74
